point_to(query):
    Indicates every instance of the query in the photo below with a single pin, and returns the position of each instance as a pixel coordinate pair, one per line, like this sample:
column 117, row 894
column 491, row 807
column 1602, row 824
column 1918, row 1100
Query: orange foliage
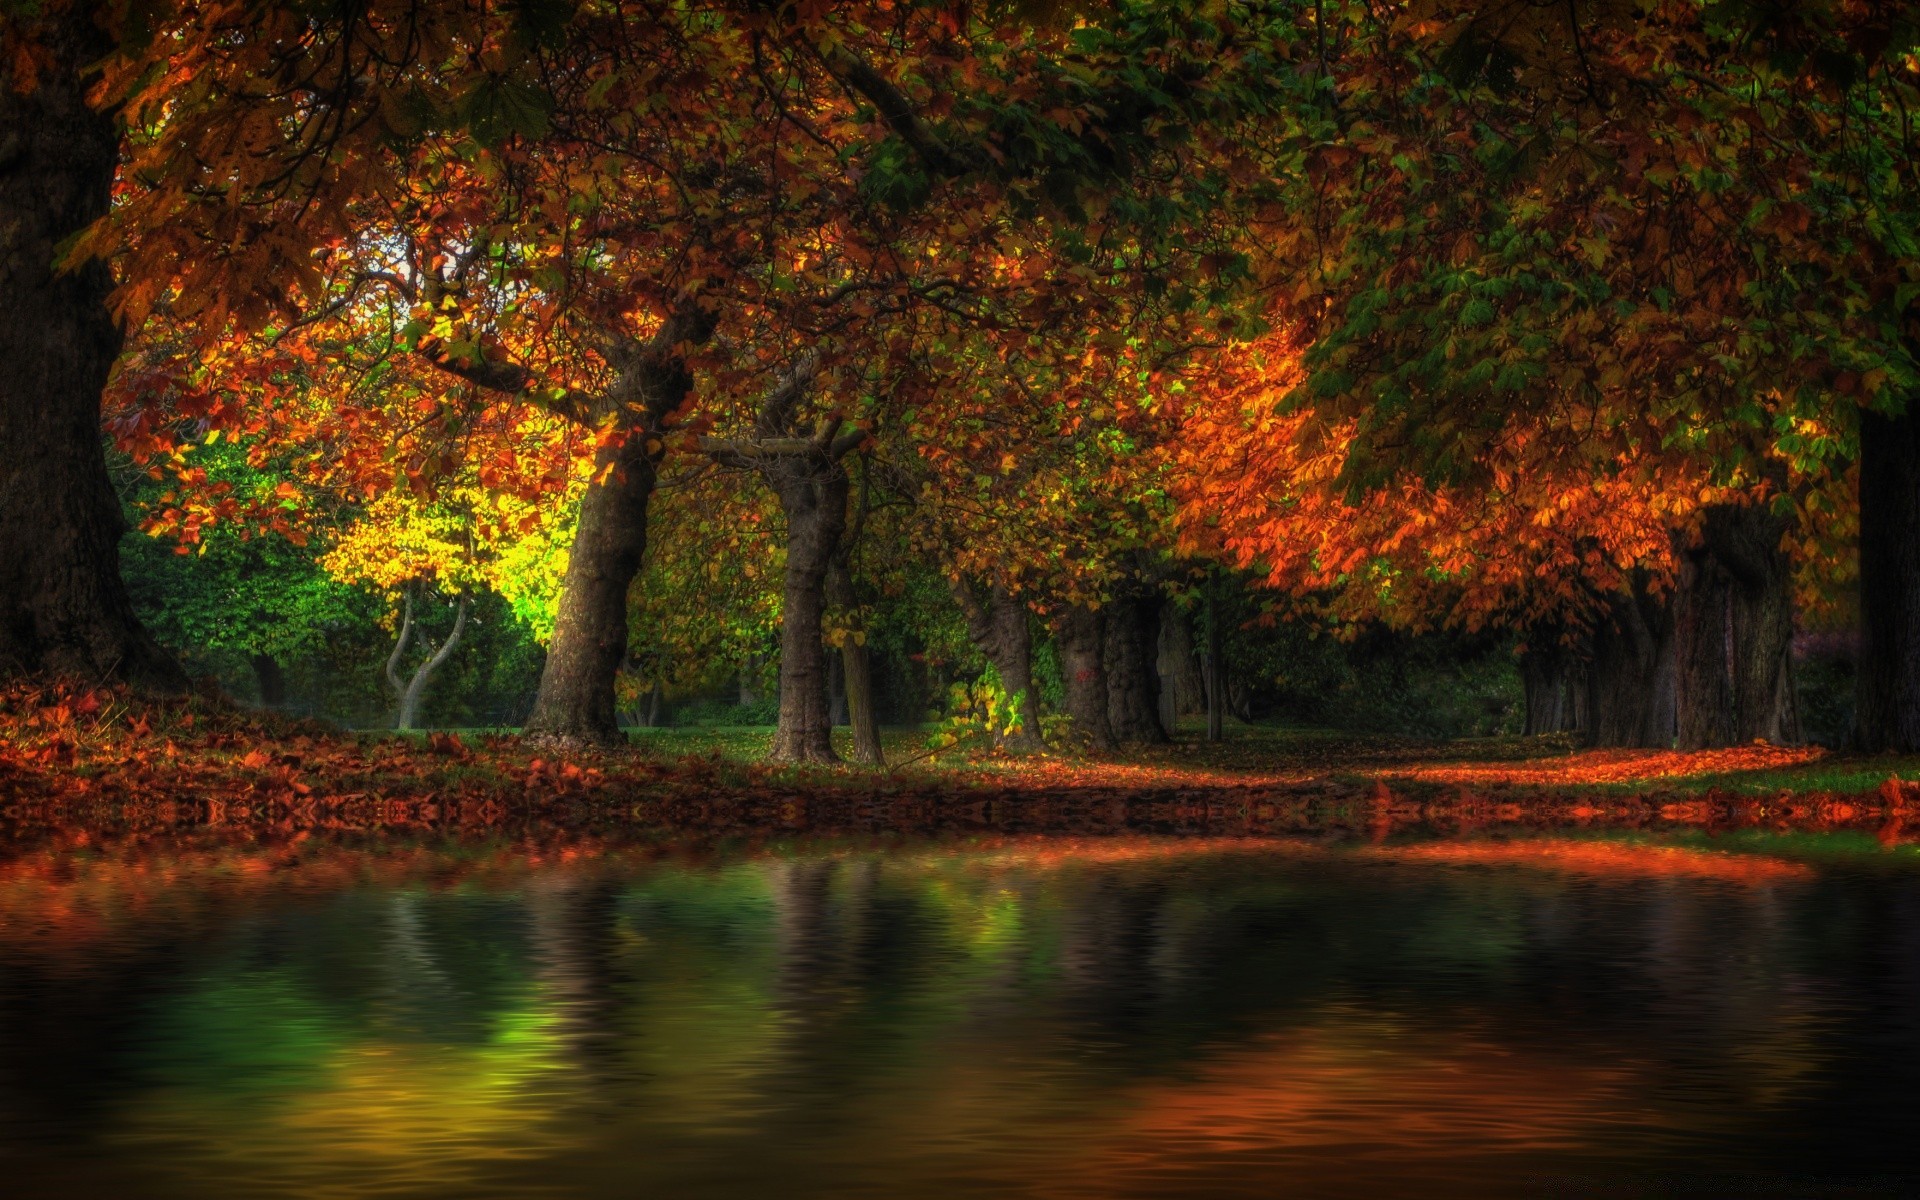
column 1616, row 860
column 1540, row 537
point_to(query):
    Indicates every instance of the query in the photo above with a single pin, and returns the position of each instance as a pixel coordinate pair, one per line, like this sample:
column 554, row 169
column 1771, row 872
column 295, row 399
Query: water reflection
column 583, row 1014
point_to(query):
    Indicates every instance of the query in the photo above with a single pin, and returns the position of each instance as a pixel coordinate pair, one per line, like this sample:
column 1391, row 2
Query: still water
column 1534, row 1013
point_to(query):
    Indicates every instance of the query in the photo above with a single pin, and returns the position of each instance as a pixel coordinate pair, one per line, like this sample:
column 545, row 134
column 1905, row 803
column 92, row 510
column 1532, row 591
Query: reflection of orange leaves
column 1620, row 860
column 1617, row 766
column 1358, row 1079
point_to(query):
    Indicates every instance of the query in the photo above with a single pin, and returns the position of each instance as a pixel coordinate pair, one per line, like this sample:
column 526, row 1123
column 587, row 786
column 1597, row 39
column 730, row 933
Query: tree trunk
column 1133, row 685
column 1766, row 703
column 270, row 679
column 414, row 690
column 1079, row 634
column 813, row 497
column 653, row 703
column 836, row 687
column 1547, row 679
column 1887, row 685
column 1734, row 631
column 1702, row 629
column 576, row 701
column 1182, row 693
column 63, row 607
column 1215, row 669
column 856, row 670
column 1000, row 629
column 1630, row 680
column 750, row 681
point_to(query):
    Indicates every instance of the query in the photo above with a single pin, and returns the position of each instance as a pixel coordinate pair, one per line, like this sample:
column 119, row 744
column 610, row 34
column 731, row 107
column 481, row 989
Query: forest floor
column 63, row 749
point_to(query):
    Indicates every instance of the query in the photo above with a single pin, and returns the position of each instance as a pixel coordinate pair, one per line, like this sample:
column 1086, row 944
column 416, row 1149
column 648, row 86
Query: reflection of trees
column 930, row 1011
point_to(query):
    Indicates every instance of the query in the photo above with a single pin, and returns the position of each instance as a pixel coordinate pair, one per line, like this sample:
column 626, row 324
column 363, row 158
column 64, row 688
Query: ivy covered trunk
column 63, row 607
column 998, row 625
column 1887, row 686
column 856, row 669
column 1630, row 678
column 576, row 700
column 1079, row 636
column 813, row 498
column 1133, row 682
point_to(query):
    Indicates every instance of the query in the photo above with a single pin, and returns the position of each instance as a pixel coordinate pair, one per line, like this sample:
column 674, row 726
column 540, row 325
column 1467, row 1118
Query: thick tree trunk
column 813, row 497
column 576, row 701
column 1630, row 680
column 63, row 608
column 1000, row 629
column 1547, row 678
column 1733, row 632
column 856, row 669
column 1887, row 684
column 270, row 680
column 1702, row 630
column 1181, row 691
column 1079, row 636
column 1133, row 684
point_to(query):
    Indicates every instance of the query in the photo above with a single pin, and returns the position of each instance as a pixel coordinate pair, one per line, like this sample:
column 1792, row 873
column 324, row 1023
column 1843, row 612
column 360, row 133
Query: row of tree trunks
column 63, row 608
column 1887, row 686
column 997, row 620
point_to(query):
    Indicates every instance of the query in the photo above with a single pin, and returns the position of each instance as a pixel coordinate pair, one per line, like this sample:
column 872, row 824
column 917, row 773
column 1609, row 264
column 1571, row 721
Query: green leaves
column 499, row 107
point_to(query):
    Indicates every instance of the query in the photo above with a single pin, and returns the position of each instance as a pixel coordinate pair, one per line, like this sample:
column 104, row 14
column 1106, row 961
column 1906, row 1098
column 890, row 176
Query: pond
column 1525, row 1011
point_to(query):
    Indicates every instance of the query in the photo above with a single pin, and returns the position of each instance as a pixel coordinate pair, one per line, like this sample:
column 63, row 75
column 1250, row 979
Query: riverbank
column 66, row 746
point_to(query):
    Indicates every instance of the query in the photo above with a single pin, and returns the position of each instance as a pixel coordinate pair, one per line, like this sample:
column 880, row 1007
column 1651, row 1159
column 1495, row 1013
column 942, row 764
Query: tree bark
column 1887, row 685
column 1702, row 630
column 1630, row 680
column 576, row 700
column 654, row 692
column 1079, row 635
column 1547, row 677
column 813, row 496
column 1181, row 691
column 856, row 670
column 1734, row 631
column 63, row 607
column 1133, row 683
column 1000, row 629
